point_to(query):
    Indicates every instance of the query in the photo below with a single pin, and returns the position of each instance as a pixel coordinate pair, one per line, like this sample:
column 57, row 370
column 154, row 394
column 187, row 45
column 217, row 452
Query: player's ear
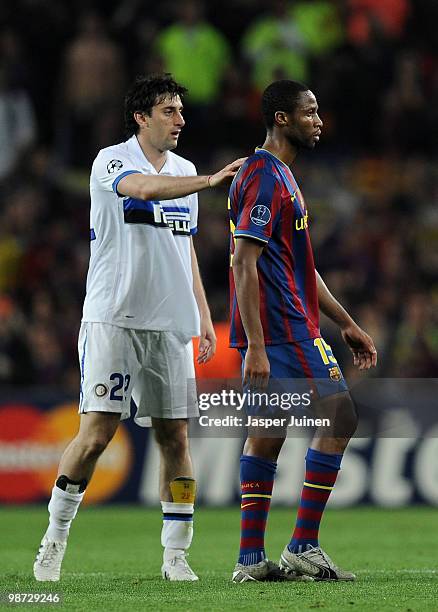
column 281, row 118
column 142, row 119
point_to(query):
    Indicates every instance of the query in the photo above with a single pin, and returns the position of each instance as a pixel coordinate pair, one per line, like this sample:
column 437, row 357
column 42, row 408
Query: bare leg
column 95, row 432
column 175, row 461
column 334, row 439
column 265, row 448
column 343, row 422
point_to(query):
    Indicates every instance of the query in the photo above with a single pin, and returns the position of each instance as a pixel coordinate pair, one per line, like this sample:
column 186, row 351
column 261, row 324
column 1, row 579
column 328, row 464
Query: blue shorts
column 311, row 361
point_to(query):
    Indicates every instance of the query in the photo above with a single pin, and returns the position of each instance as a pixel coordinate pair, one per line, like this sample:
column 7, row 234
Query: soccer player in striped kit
column 276, row 295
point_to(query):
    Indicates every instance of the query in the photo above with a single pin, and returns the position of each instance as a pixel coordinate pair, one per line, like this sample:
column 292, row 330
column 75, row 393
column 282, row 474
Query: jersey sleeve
column 259, row 203
column 193, row 199
column 109, row 168
column 193, row 213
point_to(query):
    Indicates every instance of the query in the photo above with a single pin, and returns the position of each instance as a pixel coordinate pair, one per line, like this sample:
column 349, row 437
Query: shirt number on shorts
column 122, row 382
column 325, row 351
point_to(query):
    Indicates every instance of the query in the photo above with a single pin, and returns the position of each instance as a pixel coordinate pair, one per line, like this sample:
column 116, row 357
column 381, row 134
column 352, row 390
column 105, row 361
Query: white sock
column 63, row 507
column 176, row 533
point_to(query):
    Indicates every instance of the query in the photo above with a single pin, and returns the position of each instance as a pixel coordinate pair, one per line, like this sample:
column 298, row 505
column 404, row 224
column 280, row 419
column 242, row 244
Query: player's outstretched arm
column 246, row 280
column 359, row 342
column 151, row 187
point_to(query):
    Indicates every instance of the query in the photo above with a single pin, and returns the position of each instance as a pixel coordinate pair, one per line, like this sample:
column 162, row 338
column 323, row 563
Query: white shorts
column 154, row 367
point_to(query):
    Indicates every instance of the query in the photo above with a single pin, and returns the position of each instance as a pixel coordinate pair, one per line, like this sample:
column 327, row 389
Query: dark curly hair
column 145, row 93
column 280, row 96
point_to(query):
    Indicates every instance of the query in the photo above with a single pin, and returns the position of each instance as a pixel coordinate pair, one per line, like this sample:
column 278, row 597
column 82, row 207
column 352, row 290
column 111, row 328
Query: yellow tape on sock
column 183, row 490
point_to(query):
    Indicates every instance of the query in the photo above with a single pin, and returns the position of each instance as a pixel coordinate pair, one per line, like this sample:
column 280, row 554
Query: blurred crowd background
column 371, row 185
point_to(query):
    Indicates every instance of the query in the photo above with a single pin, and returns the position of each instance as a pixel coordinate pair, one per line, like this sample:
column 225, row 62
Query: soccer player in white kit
column 144, row 303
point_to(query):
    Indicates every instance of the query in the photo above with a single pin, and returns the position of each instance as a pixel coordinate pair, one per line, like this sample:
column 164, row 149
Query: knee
column 346, row 421
column 95, row 433
column 173, row 443
column 93, row 446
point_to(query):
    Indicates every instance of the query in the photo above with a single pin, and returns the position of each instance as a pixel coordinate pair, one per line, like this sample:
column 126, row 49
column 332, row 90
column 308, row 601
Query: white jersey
column 140, row 273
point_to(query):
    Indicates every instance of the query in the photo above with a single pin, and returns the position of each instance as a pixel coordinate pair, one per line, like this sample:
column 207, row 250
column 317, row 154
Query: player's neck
column 280, row 148
column 156, row 157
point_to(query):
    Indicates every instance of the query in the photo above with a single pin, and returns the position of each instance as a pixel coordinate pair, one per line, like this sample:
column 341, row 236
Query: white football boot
column 313, row 562
column 177, row 568
column 47, row 566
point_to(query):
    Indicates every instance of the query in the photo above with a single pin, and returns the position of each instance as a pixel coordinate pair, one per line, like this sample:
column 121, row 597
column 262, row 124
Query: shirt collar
column 261, row 149
column 134, row 145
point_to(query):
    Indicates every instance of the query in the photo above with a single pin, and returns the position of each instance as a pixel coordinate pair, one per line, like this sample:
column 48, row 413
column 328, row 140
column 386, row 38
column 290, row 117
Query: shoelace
column 181, row 560
column 318, row 552
column 48, row 553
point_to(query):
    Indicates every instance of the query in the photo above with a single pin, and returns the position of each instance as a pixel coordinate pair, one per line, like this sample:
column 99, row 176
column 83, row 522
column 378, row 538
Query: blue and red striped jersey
column 266, row 204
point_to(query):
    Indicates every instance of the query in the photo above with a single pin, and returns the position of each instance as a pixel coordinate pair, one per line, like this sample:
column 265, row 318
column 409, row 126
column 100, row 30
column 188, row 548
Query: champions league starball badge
column 114, row 165
column 260, row 214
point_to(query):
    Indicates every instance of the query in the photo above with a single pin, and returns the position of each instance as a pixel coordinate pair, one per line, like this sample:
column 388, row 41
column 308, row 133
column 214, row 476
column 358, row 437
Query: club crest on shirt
column 335, row 373
column 100, row 390
column 114, row 165
column 260, row 215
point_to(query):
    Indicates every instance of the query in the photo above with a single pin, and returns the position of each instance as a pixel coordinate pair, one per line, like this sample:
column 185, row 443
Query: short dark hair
column 280, row 96
column 145, row 93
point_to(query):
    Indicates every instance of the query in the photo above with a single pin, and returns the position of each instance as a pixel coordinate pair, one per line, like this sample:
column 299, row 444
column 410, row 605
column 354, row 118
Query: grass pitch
column 113, row 561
